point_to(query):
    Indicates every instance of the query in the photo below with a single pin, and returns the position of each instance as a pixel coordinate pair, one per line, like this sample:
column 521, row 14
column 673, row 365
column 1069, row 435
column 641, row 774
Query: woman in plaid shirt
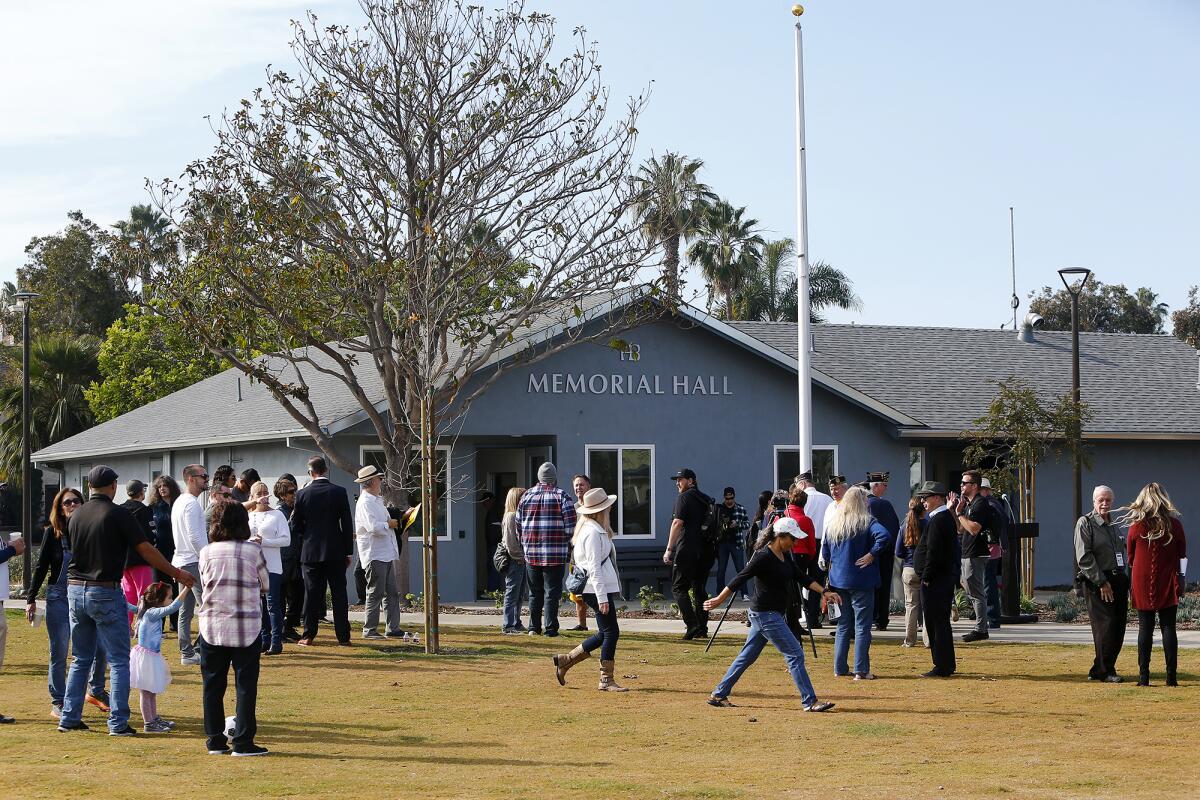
column 234, row 574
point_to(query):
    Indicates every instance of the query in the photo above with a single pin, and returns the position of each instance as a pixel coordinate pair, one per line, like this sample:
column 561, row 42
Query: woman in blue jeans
column 777, row 583
column 851, row 546
column 516, row 576
column 596, row 556
column 53, row 558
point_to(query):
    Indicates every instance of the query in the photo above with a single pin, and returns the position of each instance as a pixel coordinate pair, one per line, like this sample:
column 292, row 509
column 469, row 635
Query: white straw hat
column 595, row 501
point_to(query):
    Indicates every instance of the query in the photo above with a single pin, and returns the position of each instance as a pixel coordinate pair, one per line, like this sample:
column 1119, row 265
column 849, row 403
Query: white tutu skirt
column 148, row 670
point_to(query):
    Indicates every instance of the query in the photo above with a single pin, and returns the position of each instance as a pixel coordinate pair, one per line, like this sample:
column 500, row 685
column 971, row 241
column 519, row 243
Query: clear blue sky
column 926, row 121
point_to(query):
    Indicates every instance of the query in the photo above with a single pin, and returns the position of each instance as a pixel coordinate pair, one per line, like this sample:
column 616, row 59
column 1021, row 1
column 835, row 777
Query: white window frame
column 779, row 448
column 445, row 449
column 924, row 464
column 619, row 492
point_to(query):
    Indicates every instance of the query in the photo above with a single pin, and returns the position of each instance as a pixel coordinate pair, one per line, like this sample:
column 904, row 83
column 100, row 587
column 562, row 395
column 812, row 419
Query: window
column 84, row 469
column 916, row 468
column 628, row 472
column 787, row 465
column 156, row 469
column 368, row 456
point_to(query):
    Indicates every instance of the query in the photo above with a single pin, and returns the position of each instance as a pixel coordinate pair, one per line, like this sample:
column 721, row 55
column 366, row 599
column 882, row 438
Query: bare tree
column 412, row 212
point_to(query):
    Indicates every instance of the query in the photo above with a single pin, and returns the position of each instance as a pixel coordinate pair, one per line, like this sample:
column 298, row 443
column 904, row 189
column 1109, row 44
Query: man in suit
column 936, row 563
column 322, row 515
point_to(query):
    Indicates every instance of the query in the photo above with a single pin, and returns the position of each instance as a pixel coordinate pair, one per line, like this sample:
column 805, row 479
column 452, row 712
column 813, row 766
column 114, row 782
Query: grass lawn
column 488, row 720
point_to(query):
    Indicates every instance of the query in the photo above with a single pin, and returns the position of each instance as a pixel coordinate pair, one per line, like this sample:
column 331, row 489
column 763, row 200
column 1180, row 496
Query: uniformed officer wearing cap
column 101, row 534
column 837, row 487
column 885, row 513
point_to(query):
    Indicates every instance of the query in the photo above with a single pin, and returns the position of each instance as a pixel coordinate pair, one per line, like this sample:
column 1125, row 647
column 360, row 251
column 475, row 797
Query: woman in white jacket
column 269, row 527
column 596, row 556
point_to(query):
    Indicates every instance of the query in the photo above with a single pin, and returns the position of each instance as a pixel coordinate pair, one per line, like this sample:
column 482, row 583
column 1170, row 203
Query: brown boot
column 564, row 661
column 607, row 682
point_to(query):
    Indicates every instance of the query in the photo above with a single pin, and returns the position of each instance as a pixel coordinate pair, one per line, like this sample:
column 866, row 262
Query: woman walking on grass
column 1156, row 546
column 777, row 580
column 596, row 556
column 516, row 575
column 853, row 541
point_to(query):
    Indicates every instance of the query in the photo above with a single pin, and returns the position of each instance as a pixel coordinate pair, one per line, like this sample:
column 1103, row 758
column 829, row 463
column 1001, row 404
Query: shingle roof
column 1134, row 384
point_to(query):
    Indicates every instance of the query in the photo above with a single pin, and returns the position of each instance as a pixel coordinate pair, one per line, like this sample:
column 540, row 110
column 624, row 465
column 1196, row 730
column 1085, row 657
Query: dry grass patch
column 488, row 720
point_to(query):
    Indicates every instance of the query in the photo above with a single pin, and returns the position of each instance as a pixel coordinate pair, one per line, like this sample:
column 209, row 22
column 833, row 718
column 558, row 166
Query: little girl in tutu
column 148, row 671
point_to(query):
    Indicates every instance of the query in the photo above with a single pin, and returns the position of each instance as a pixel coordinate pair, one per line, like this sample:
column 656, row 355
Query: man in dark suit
column 937, row 564
column 326, row 526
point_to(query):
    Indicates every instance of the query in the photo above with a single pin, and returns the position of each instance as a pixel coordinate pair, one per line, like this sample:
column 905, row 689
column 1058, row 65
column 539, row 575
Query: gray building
column 720, row 398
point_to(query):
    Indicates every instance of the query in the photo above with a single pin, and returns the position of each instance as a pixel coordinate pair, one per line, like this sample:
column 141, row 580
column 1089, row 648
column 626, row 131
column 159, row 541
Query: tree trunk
column 671, row 267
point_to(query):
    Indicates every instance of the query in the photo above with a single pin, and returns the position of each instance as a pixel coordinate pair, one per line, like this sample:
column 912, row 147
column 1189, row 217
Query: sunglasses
column 203, row 477
column 967, row 483
column 72, row 501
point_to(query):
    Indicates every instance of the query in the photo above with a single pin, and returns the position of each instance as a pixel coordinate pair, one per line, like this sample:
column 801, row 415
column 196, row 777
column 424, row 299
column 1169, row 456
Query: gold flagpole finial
column 797, row 10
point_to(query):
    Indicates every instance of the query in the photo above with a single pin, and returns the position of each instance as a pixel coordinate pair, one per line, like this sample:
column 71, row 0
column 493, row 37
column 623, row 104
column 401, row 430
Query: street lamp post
column 1069, row 274
column 25, row 298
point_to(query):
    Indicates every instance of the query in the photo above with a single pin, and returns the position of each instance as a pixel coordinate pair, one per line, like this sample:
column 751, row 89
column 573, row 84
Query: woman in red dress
column 1156, row 545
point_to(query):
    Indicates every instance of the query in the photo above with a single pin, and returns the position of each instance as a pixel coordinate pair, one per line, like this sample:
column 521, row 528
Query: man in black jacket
column 936, row 563
column 323, row 521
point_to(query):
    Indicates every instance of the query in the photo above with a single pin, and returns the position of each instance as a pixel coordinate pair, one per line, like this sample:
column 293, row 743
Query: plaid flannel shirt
column 742, row 522
column 234, row 576
column 546, row 517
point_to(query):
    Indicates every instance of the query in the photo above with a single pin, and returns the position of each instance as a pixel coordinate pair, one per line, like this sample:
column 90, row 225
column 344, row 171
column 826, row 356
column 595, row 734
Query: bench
column 643, row 568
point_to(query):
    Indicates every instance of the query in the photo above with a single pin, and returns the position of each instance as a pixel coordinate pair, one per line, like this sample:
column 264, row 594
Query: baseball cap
column 684, row 473
column 101, row 477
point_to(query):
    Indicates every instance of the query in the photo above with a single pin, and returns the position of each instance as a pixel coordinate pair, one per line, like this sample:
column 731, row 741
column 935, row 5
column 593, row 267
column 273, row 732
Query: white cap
column 788, row 525
column 986, row 484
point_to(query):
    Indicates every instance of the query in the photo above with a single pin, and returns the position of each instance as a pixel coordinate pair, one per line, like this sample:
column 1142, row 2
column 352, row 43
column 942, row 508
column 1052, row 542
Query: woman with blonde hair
column 851, row 546
column 595, row 562
column 1156, row 546
column 906, row 548
column 515, row 576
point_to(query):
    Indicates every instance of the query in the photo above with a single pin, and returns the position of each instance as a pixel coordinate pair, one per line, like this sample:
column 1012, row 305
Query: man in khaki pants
column 15, row 548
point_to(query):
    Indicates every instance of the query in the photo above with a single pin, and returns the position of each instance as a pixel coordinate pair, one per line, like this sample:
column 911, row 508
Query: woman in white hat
column 777, row 582
column 596, row 556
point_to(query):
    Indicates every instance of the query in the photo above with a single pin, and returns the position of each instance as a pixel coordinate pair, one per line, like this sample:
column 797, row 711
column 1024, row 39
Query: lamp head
column 1069, row 274
column 25, row 297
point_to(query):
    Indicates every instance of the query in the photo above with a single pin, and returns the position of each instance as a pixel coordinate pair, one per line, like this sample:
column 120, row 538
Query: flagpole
column 804, row 326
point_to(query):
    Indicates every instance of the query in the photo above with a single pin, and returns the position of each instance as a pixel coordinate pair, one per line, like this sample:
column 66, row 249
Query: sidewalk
column 1036, row 633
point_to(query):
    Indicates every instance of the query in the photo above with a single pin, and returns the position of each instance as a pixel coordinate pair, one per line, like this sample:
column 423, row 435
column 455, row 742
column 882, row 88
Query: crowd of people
column 251, row 570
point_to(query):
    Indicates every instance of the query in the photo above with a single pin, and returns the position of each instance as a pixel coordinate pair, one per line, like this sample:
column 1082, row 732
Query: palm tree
column 727, row 249
column 61, row 367
column 828, row 287
column 668, row 204
column 146, row 234
column 1159, row 312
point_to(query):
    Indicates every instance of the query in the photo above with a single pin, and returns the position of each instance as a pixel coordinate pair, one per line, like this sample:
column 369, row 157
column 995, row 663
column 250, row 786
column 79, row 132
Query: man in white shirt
column 814, row 508
column 190, row 535
column 375, row 534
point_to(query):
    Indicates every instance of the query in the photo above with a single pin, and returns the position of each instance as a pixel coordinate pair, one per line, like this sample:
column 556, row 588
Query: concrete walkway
column 1037, row 633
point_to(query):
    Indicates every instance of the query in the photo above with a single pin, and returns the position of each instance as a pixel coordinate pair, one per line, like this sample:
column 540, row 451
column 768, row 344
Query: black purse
column 501, row 559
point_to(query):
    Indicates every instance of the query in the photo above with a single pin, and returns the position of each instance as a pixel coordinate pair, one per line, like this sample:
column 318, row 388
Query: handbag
column 501, row 559
column 577, row 578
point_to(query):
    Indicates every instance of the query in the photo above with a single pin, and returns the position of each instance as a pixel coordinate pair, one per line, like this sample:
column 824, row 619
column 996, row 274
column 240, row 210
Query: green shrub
column 497, row 597
column 1066, row 607
column 1189, row 609
column 896, row 607
column 647, row 596
column 1028, row 606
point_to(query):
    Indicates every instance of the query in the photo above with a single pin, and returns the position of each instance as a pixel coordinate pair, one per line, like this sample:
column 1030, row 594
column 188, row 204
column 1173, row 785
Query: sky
column 925, row 122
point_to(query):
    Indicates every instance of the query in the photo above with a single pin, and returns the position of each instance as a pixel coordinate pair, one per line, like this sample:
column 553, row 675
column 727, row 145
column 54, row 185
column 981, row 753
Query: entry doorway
column 497, row 470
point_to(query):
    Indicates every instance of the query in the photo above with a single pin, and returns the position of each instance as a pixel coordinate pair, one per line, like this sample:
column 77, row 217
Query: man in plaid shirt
column 546, row 517
column 735, row 524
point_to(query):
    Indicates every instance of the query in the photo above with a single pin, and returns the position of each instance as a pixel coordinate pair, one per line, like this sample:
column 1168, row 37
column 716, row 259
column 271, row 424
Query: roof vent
column 1031, row 321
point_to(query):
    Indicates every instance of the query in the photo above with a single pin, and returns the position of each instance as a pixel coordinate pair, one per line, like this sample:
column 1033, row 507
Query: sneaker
column 864, row 676
column 975, row 636
column 817, row 708
column 99, row 701
column 126, row 731
column 218, row 751
column 535, row 632
column 250, row 750
column 157, row 726
column 190, row 661
column 64, row 727
column 551, row 634
column 395, row 635
column 373, row 635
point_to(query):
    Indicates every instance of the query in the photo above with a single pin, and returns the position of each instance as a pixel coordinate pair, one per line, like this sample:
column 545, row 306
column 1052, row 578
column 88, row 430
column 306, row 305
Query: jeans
column 187, row 612
column 725, row 552
column 98, row 616
column 862, row 601
column 381, row 588
column 973, row 580
column 992, row 584
column 545, row 593
column 58, row 630
column 770, row 626
column 516, row 580
column 215, row 661
column 293, row 593
column 912, row 607
column 607, row 630
column 272, row 613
